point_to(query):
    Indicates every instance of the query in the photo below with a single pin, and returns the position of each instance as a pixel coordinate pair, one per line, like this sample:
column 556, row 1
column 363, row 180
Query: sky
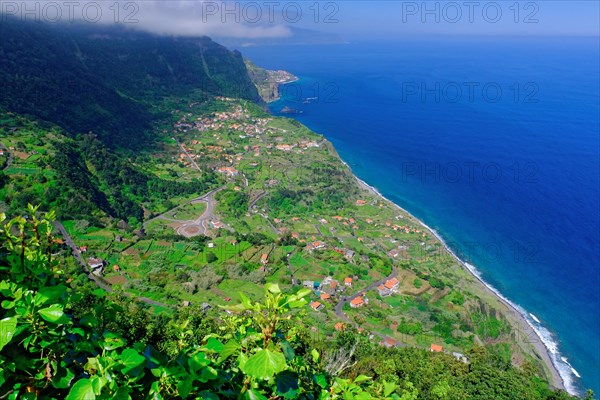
column 349, row 19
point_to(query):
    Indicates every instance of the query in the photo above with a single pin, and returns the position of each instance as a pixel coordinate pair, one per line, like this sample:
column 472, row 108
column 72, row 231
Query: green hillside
column 108, row 80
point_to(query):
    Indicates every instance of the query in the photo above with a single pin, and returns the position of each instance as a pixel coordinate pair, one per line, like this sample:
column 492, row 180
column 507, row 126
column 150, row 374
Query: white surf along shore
column 563, row 375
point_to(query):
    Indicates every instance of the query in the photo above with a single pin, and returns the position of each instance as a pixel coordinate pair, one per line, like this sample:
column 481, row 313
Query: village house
column 392, row 284
column 358, row 302
column 315, row 305
column 228, row 171
column 308, row 284
column 349, row 255
column 461, row 357
column 315, row 246
column 436, row 348
column 216, row 224
column 348, row 281
column 383, row 291
column 325, row 296
column 333, row 285
column 388, row 342
column 97, row 266
column 394, row 253
column 329, row 285
column 360, row 202
column 205, row 307
column 284, row 147
column 264, row 259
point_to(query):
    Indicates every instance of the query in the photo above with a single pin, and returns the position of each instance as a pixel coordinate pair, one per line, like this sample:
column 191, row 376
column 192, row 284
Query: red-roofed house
column 436, row 348
column 339, row 326
column 325, row 296
column 317, row 245
column 348, row 282
column 383, row 291
column 315, row 305
column 264, row 259
column 392, row 284
column 389, row 342
column 357, row 302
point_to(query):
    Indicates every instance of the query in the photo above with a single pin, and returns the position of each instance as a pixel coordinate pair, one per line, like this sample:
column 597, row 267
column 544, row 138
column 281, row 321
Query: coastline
column 279, row 85
column 517, row 316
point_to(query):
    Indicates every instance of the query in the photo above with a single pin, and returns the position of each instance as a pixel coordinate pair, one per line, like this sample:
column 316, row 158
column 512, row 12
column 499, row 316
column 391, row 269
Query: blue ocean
column 492, row 142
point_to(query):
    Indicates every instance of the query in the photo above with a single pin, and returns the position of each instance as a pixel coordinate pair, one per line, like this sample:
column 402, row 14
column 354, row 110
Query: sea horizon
column 358, row 100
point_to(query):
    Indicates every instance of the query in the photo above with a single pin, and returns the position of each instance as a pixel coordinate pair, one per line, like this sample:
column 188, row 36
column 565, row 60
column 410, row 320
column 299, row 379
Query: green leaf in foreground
column 8, row 326
column 131, row 359
column 265, row 364
column 82, row 390
column 54, row 314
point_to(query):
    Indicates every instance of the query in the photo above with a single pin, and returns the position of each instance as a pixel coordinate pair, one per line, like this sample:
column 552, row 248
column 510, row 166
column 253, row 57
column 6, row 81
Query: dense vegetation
column 60, row 339
column 106, row 80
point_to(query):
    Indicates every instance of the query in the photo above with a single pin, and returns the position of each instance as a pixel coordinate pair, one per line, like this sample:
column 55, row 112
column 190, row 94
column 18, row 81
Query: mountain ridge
column 108, row 79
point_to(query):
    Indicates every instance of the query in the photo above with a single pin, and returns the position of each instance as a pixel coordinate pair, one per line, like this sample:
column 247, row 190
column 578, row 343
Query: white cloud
column 234, row 19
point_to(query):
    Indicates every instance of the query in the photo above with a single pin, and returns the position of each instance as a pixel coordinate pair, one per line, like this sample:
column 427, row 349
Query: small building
column 461, row 357
column 308, row 284
column 436, row 348
column 96, row 263
column 97, row 266
column 315, row 305
column 325, row 296
column 392, row 284
column 216, row 224
column 315, row 246
column 264, row 259
column 394, row 253
column 349, row 255
column 186, row 303
column 388, row 342
column 339, row 326
column 348, row 282
column 116, row 268
column 357, row 302
column 383, row 291
column 205, row 307
column 83, row 249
